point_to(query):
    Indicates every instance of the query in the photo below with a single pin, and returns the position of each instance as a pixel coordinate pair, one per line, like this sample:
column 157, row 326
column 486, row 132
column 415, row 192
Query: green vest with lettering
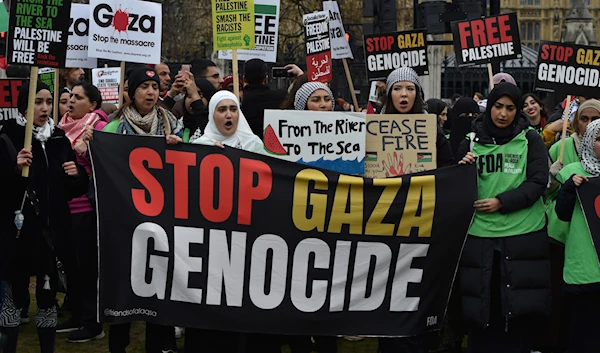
column 503, row 168
column 581, row 259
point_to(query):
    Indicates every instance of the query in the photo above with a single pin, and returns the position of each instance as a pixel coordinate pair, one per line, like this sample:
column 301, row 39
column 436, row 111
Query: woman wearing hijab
column 143, row 116
column 77, row 123
column 195, row 105
column 504, row 269
column 581, row 271
column 30, row 246
column 439, row 108
column 461, row 116
column 227, row 125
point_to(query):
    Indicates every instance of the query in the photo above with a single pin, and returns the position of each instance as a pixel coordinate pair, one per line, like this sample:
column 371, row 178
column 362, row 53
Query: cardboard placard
column 233, row 24
column 399, row 144
column 330, row 140
column 125, row 30
column 388, row 51
column 9, row 93
column 568, row 68
column 318, row 46
column 486, row 40
column 340, row 48
column 47, row 75
column 266, row 30
column 107, row 81
column 79, row 29
column 38, row 32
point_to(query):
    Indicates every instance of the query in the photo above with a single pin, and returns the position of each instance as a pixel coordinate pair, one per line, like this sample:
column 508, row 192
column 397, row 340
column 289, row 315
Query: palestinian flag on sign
column 371, row 156
column 423, row 157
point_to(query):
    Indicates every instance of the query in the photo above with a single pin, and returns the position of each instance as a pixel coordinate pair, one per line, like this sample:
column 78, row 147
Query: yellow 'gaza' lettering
column 305, row 200
column 421, row 192
column 375, row 225
column 349, row 189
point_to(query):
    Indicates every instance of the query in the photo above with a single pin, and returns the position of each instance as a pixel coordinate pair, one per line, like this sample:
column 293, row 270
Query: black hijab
column 502, row 90
column 199, row 116
column 461, row 126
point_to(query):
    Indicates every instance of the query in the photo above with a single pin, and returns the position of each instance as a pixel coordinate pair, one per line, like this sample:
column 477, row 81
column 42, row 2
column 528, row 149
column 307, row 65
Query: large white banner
column 77, row 47
column 266, row 14
column 126, row 30
column 340, row 49
column 330, row 140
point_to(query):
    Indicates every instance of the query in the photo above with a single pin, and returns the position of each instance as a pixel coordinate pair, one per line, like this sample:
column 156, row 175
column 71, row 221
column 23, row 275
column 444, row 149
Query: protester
column 462, row 115
column 195, row 116
column 54, row 178
column 534, row 109
column 143, row 116
column 63, row 103
column 70, row 77
column 504, row 270
column 165, row 76
column 477, row 97
column 76, row 123
column 439, row 108
column 204, row 68
column 258, row 96
column 498, row 78
column 288, row 102
column 405, row 96
column 581, row 271
column 314, row 96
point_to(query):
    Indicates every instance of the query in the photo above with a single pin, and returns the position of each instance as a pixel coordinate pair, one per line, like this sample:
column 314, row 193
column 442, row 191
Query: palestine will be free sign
column 485, row 40
column 231, row 240
column 38, row 32
column 386, row 52
column 568, row 68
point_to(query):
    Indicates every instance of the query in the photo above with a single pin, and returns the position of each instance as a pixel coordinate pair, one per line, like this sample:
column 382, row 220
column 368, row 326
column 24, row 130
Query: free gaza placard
column 490, row 39
column 125, row 30
column 388, row 51
column 568, row 68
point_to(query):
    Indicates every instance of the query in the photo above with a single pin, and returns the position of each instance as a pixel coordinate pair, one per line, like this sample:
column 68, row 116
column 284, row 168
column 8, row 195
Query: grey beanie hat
column 306, row 90
column 403, row 74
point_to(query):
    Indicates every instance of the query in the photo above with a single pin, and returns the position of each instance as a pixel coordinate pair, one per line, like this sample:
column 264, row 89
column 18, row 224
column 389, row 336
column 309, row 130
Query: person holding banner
column 582, row 270
column 505, row 268
column 143, row 116
column 33, row 243
column 77, row 124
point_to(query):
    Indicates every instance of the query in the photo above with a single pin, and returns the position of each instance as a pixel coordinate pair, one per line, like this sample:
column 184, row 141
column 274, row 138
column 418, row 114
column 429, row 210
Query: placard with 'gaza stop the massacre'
column 486, row 40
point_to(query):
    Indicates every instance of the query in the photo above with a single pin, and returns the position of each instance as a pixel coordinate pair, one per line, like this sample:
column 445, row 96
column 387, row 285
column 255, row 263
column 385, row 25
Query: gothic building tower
column 578, row 26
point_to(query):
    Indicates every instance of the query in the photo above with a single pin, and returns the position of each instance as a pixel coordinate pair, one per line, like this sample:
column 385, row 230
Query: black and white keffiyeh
column 40, row 133
column 306, row 90
column 587, row 154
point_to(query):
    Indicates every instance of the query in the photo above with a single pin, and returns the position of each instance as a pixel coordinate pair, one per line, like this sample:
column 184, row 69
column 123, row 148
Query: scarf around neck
column 40, row 133
column 74, row 128
column 156, row 123
column 587, row 154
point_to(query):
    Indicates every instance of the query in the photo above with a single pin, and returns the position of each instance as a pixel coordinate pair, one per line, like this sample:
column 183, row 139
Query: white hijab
column 243, row 138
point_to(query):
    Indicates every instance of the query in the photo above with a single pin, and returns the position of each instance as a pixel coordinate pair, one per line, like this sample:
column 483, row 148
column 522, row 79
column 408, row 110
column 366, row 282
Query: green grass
column 28, row 340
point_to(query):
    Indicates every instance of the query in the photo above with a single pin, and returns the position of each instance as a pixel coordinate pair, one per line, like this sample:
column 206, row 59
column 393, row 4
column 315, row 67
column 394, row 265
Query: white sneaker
column 179, row 331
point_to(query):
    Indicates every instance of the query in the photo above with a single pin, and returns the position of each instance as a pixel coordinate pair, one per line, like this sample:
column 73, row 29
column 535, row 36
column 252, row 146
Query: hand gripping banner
column 223, row 239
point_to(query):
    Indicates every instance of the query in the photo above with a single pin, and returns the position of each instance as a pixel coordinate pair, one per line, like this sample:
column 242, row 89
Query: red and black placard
column 9, row 93
column 388, row 51
column 318, row 46
column 486, row 40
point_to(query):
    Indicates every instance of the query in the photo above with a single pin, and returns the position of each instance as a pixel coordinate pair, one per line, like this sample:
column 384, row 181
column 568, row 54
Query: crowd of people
column 529, row 276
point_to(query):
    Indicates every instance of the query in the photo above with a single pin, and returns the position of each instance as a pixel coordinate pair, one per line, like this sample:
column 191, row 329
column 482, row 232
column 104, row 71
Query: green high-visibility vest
column 503, row 168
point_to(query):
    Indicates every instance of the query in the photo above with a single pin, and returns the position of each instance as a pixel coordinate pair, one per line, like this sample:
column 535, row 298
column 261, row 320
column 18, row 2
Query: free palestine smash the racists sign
column 236, row 241
column 389, row 51
column 568, row 68
column 38, row 32
column 490, row 39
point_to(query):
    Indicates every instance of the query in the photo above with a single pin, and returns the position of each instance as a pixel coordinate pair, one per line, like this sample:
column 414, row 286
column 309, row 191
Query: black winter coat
column 524, row 259
column 30, row 254
column 257, row 98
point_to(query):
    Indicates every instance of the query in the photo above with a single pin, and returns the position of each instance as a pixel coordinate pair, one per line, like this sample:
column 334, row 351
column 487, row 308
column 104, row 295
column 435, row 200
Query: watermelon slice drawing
column 272, row 144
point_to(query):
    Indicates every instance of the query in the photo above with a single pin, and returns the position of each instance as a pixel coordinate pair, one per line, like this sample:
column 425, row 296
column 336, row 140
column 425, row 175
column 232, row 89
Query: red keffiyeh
column 74, row 128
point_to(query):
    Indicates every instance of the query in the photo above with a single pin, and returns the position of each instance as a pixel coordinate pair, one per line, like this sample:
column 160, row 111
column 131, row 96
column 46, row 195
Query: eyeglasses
column 215, row 76
column 586, row 119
